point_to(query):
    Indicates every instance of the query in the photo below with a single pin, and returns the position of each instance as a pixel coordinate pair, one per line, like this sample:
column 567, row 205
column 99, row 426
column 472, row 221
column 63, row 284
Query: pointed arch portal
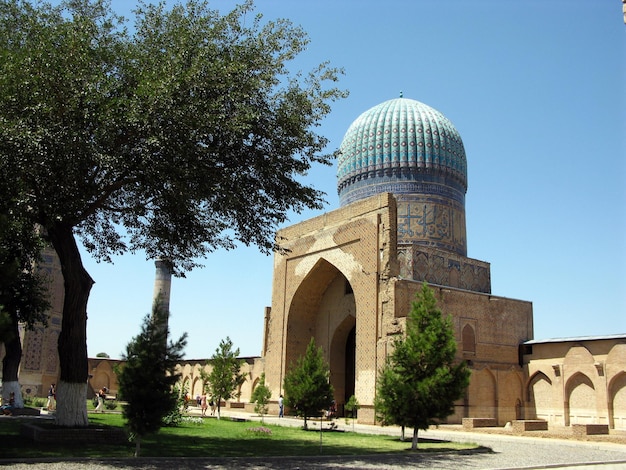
column 324, row 308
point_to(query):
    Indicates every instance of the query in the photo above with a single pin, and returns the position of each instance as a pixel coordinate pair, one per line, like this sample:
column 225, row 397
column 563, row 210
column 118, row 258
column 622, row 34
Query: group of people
column 204, row 403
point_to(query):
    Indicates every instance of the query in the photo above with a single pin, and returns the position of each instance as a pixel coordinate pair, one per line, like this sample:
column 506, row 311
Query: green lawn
column 215, row 438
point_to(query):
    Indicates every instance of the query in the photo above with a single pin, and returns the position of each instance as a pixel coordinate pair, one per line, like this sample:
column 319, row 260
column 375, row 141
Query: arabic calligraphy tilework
column 432, row 221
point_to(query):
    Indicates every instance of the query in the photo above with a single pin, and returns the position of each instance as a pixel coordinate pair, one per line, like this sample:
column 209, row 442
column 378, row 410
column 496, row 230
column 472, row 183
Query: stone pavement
column 501, row 452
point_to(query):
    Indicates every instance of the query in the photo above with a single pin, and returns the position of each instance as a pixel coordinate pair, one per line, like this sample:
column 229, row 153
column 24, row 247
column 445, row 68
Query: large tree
column 185, row 136
column 225, row 378
column 308, row 391
column 421, row 379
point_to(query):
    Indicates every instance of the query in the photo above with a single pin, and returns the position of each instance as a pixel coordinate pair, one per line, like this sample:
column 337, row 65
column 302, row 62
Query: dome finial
column 401, row 94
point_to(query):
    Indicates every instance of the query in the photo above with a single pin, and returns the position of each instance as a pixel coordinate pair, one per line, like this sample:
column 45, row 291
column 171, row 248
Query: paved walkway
column 501, row 452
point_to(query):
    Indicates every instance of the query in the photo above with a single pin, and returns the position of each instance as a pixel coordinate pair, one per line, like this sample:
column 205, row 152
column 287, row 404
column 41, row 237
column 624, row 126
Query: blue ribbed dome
column 400, row 142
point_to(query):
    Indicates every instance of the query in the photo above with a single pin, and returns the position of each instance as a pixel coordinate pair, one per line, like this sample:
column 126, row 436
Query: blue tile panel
column 433, row 221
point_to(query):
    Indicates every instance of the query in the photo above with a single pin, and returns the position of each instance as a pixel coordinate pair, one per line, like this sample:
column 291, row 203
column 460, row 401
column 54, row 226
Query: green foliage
column 352, row 406
column 103, row 354
column 261, row 396
column 420, row 382
column 225, row 377
column 307, row 387
column 175, row 416
column 178, row 137
column 110, row 405
column 148, row 378
column 6, row 326
column 34, row 402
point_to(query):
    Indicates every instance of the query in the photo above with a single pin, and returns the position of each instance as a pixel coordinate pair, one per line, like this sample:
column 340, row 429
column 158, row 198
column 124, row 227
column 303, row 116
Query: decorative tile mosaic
column 401, row 140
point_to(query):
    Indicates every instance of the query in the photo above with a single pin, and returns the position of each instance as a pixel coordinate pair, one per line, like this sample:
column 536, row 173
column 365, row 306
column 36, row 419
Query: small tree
column 148, row 379
column 261, row 396
column 225, row 377
column 307, row 389
column 352, row 406
column 419, row 382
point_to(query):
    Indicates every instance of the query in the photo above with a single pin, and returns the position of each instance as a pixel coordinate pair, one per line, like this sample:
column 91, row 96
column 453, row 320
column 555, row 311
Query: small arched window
column 469, row 339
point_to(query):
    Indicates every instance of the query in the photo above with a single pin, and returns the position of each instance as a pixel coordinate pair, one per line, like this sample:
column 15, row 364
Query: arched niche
column 468, row 339
column 580, row 400
column 617, row 401
column 539, row 396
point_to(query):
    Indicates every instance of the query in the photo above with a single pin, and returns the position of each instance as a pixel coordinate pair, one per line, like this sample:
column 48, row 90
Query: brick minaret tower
column 163, row 285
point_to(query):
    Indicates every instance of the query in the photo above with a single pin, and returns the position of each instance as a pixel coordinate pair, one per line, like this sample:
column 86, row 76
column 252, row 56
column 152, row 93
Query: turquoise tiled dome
column 396, row 144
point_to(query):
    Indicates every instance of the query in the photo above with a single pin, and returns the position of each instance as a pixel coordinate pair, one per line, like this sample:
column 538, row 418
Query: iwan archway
column 323, row 308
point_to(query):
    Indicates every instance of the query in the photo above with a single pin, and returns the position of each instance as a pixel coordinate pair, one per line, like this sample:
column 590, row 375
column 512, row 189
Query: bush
column 39, row 402
column 110, row 404
column 34, row 402
column 175, row 416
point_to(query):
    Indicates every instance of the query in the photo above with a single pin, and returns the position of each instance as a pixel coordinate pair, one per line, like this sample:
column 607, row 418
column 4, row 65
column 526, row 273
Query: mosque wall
column 103, row 373
column 192, row 383
column 577, row 381
column 488, row 330
column 435, row 266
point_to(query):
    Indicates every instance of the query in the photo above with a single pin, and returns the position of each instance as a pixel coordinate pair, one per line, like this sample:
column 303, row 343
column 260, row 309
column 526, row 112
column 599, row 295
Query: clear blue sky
column 536, row 90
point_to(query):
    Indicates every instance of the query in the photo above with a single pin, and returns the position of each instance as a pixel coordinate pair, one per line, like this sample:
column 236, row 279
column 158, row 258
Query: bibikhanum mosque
column 348, row 277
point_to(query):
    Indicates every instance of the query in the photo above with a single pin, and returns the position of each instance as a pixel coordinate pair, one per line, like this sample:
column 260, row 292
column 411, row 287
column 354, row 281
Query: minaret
column 162, row 286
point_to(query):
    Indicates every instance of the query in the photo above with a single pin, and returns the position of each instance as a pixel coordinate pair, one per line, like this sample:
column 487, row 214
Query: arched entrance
column 343, row 362
column 324, row 308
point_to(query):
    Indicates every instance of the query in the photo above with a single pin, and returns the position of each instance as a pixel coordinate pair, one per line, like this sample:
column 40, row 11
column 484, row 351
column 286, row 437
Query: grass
column 215, row 438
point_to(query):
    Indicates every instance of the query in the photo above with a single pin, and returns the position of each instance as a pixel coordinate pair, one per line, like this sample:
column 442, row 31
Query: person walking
column 281, row 407
column 203, row 404
column 52, row 392
column 101, row 395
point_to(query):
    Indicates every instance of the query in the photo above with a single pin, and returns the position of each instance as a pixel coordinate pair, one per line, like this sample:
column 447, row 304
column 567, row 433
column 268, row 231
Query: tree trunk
column 137, row 445
column 414, row 443
column 14, row 387
column 71, row 404
column 10, row 366
column 72, row 387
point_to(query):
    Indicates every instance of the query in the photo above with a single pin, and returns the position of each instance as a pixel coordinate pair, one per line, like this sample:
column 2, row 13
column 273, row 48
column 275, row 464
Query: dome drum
column 430, row 220
column 399, row 181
